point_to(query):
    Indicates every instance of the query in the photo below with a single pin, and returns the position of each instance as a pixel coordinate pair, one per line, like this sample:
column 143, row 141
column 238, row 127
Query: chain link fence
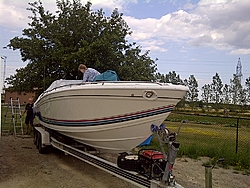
column 213, row 136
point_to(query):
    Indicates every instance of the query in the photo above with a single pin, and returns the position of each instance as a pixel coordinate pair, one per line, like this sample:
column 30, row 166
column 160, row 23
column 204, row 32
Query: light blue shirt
column 89, row 75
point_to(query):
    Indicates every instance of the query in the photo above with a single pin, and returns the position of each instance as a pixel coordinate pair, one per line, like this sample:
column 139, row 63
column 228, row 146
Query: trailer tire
column 41, row 149
column 37, row 139
column 35, row 136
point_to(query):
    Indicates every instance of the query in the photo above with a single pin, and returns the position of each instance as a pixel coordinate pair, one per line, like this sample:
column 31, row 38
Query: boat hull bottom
column 112, row 138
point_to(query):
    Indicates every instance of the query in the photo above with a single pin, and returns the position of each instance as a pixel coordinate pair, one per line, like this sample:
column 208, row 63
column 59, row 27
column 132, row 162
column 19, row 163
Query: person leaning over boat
column 88, row 73
column 30, row 115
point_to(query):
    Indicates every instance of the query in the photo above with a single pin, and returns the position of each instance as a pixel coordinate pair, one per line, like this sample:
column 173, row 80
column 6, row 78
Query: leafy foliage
column 54, row 46
column 206, row 94
column 216, row 92
column 248, row 89
column 171, row 77
column 235, row 88
column 192, row 94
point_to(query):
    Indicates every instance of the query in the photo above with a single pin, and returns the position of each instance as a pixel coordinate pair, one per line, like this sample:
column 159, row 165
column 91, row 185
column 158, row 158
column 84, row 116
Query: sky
column 190, row 37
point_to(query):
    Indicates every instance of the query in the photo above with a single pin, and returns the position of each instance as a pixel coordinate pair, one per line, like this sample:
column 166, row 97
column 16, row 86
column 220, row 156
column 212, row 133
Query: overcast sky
column 187, row 36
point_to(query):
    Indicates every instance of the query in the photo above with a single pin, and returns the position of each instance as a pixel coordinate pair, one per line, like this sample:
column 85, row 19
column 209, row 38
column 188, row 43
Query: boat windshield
column 60, row 83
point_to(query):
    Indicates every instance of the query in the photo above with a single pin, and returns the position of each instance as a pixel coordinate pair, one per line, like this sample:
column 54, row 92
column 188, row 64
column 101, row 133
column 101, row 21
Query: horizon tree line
column 216, row 92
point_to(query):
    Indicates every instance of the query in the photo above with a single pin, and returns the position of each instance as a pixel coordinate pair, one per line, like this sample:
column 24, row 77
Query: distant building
column 23, row 96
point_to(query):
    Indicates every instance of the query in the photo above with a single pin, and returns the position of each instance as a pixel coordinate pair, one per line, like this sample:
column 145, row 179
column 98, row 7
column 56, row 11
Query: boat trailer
column 42, row 139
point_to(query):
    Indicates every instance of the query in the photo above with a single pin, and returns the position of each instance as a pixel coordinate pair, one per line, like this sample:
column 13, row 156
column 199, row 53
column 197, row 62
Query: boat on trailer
column 110, row 116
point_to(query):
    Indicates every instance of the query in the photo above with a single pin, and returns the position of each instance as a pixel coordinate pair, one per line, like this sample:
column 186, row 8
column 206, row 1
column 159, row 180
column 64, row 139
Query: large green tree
column 55, row 44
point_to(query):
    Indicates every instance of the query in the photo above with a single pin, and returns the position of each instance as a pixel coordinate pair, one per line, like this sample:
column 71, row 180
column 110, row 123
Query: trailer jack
column 165, row 137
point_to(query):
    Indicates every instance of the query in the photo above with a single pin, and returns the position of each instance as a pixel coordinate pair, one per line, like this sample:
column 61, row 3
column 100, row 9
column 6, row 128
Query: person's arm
column 24, row 112
column 85, row 76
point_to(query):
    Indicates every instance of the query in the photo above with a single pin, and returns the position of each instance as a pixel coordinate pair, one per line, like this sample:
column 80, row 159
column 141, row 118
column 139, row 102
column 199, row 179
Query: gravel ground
column 21, row 166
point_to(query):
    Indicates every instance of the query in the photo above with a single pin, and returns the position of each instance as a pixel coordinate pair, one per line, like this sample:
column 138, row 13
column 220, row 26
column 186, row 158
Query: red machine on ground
column 151, row 163
column 147, row 162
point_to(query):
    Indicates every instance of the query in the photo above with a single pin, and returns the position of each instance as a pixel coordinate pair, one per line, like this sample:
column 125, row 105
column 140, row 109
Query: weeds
column 213, row 137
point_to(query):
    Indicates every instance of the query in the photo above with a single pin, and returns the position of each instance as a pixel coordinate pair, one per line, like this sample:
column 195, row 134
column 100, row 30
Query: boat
column 110, row 116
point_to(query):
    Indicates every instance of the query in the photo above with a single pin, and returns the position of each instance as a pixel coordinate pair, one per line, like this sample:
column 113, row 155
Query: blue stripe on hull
column 116, row 119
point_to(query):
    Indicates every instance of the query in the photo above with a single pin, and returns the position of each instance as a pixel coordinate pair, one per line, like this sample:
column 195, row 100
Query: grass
column 7, row 124
column 211, row 137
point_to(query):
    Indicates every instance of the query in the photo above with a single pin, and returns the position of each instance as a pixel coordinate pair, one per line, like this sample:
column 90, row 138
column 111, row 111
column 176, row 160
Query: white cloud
column 177, row 26
column 13, row 13
column 110, row 4
column 221, row 24
column 189, row 6
column 230, row 20
column 154, row 45
column 240, row 51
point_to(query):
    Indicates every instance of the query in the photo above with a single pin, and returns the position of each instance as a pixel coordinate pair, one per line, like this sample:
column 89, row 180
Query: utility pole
column 239, row 71
column 1, row 100
column 4, row 69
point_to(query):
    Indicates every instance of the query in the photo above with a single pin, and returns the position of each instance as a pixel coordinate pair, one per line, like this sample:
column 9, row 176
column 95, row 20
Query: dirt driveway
column 21, row 166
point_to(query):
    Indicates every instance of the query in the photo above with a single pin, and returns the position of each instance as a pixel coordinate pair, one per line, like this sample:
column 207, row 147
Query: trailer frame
column 44, row 138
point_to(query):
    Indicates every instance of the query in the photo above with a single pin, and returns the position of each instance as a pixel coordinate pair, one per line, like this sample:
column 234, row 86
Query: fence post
column 208, row 176
column 237, row 135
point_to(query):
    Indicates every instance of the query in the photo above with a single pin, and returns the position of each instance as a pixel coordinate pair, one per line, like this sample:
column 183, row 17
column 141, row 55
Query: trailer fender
column 45, row 136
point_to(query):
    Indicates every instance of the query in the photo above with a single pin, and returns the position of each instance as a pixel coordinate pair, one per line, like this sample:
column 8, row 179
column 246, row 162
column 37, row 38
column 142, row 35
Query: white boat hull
column 111, row 117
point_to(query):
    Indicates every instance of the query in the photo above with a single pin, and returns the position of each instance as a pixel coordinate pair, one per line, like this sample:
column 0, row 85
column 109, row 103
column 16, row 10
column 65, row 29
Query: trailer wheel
column 41, row 149
column 38, row 137
column 35, row 136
